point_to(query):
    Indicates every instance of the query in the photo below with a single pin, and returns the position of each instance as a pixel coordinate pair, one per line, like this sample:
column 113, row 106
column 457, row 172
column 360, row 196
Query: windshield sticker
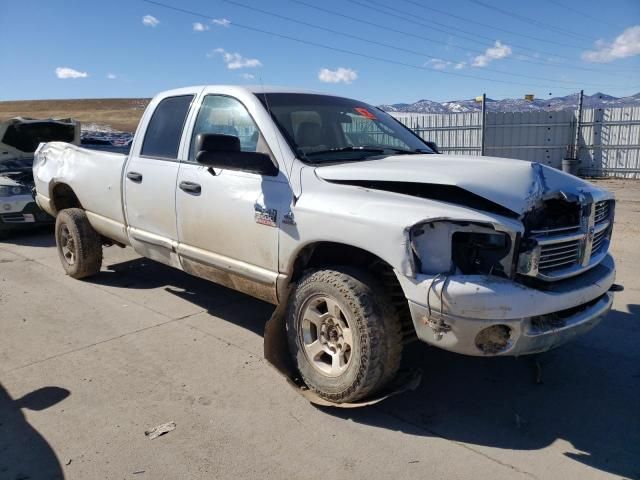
column 365, row 113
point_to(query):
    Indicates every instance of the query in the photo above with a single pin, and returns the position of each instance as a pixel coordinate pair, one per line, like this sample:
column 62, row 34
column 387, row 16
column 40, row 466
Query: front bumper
column 20, row 212
column 536, row 320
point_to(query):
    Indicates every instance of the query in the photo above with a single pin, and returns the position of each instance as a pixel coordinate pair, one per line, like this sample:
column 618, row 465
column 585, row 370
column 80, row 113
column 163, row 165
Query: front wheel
column 79, row 245
column 344, row 334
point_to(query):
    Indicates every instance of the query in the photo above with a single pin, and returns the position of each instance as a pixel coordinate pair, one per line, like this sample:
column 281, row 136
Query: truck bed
column 94, row 176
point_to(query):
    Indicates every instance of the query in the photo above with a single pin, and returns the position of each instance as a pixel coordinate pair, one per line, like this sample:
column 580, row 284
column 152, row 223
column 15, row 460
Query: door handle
column 134, row 177
column 190, row 187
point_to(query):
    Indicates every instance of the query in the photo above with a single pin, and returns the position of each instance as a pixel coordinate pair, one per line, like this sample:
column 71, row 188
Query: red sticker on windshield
column 365, row 113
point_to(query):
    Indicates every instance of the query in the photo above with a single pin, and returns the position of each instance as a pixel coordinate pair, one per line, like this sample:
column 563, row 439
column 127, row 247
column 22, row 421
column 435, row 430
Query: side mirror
column 223, row 151
column 433, row 146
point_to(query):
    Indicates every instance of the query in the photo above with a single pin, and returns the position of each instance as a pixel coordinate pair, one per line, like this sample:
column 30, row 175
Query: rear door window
column 164, row 131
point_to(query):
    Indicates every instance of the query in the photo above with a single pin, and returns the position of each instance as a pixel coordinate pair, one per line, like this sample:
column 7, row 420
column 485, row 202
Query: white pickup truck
column 337, row 209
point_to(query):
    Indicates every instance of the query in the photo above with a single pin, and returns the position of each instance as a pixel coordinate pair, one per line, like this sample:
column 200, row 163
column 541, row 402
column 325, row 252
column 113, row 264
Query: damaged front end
column 566, row 236
column 463, row 247
column 492, row 289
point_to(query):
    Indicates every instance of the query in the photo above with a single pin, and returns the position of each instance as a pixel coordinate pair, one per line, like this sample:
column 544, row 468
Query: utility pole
column 484, row 122
column 576, row 143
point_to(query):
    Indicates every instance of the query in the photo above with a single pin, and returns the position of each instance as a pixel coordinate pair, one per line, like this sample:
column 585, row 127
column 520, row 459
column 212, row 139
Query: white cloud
column 200, row 27
column 234, row 60
column 627, row 44
column 223, row 22
column 111, row 76
column 150, row 21
column 437, row 64
column 248, row 76
column 339, row 75
column 497, row 52
column 66, row 72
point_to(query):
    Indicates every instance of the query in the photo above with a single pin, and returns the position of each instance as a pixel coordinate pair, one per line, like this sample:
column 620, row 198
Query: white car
column 19, row 138
column 378, row 239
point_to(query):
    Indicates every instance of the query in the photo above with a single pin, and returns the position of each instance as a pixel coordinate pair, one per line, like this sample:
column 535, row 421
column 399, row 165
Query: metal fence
column 608, row 139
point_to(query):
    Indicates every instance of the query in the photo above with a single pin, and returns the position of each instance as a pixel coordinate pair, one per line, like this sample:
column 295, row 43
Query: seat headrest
column 309, row 134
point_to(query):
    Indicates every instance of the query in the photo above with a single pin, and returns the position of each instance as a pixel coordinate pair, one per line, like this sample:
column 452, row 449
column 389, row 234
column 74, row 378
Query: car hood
column 515, row 185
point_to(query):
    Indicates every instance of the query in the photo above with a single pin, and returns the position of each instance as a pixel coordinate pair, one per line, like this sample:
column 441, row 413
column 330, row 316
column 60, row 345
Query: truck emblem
column 265, row 216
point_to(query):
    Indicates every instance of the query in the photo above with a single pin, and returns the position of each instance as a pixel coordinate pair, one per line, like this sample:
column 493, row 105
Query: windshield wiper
column 402, row 151
column 347, row 149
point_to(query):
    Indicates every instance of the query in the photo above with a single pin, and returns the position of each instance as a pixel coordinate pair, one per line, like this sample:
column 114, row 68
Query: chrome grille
column 565, row 251
column 558, row 255
column 598, row 240
column 602, row 212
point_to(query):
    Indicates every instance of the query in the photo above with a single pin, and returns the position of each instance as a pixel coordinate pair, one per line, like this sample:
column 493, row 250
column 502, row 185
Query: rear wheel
column 344, row 334
column 79, row 245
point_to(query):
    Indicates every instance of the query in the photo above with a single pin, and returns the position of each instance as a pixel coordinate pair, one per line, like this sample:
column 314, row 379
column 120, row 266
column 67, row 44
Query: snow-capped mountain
column 569, row 102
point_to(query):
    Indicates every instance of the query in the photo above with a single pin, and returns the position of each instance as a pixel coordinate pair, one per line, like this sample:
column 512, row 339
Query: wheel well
column 331, row 253
column 326, row 254
column 62, row 196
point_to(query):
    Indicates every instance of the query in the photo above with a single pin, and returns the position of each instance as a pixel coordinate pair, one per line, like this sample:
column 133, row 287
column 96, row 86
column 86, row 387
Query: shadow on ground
column 589, row 395
column 142, row 273
column 37, row 236
column 24, row 453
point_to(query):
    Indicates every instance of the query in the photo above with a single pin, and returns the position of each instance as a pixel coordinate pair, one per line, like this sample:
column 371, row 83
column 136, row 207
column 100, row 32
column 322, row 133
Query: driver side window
column 227, row 116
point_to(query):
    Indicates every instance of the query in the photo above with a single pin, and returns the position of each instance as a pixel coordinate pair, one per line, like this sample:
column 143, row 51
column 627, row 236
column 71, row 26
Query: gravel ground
column 87, row 367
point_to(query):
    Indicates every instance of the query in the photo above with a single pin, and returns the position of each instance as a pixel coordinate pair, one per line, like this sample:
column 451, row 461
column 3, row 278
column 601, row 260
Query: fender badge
column 265, row 216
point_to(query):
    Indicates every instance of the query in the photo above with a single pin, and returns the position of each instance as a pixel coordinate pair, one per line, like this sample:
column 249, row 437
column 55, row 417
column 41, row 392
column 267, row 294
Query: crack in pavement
column 106, row 340
column 222, row 340
column 461, row 444
column 141, row 305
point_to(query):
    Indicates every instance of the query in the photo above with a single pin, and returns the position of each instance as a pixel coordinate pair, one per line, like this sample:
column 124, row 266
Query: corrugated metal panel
column 455, row 133
column 609, row 138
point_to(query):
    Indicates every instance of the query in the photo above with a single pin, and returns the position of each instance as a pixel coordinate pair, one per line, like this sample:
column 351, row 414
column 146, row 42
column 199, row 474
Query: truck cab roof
column 253, row 89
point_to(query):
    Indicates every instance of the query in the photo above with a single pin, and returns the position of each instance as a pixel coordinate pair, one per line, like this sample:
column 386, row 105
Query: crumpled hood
column 514, row 184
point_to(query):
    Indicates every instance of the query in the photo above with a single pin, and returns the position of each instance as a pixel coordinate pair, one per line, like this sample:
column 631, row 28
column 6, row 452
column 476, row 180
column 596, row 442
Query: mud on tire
column 79, row 245
column 344, row 334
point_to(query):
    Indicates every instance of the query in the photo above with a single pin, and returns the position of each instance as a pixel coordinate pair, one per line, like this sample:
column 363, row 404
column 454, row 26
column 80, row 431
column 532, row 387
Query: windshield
column 322, row 128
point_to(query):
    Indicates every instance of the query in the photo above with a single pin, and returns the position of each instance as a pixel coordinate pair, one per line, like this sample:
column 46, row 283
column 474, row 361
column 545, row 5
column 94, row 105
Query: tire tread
column 88, row 243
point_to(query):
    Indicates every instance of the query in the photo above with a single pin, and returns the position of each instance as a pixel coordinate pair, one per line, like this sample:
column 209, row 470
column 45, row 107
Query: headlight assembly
column 462, row 247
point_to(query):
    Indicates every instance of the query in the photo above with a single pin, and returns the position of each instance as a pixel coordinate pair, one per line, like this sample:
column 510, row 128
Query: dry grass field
column 118, row 113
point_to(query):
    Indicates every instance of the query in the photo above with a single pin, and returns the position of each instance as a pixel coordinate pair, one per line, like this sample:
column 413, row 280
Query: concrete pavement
column 87, row 366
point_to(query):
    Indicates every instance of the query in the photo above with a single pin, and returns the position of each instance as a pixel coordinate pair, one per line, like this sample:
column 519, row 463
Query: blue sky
column 388, row 51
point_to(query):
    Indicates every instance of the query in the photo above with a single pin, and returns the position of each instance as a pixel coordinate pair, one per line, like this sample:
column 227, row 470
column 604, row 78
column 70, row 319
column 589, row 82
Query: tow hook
column 616, row 287
column 438, row 327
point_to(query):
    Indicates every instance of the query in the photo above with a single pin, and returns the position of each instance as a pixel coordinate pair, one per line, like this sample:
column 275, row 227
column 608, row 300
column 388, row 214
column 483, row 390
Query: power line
column 412, row 19
column 394, row 47
column 532, row 21
column 346, row 51
column 430, row 24
column 495, row 28
column 428, row 39
column 582, row 13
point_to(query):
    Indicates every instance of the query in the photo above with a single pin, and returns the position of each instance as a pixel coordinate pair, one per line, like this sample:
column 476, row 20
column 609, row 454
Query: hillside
column 569, row 102
column 123, row 114
column 117, row 113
